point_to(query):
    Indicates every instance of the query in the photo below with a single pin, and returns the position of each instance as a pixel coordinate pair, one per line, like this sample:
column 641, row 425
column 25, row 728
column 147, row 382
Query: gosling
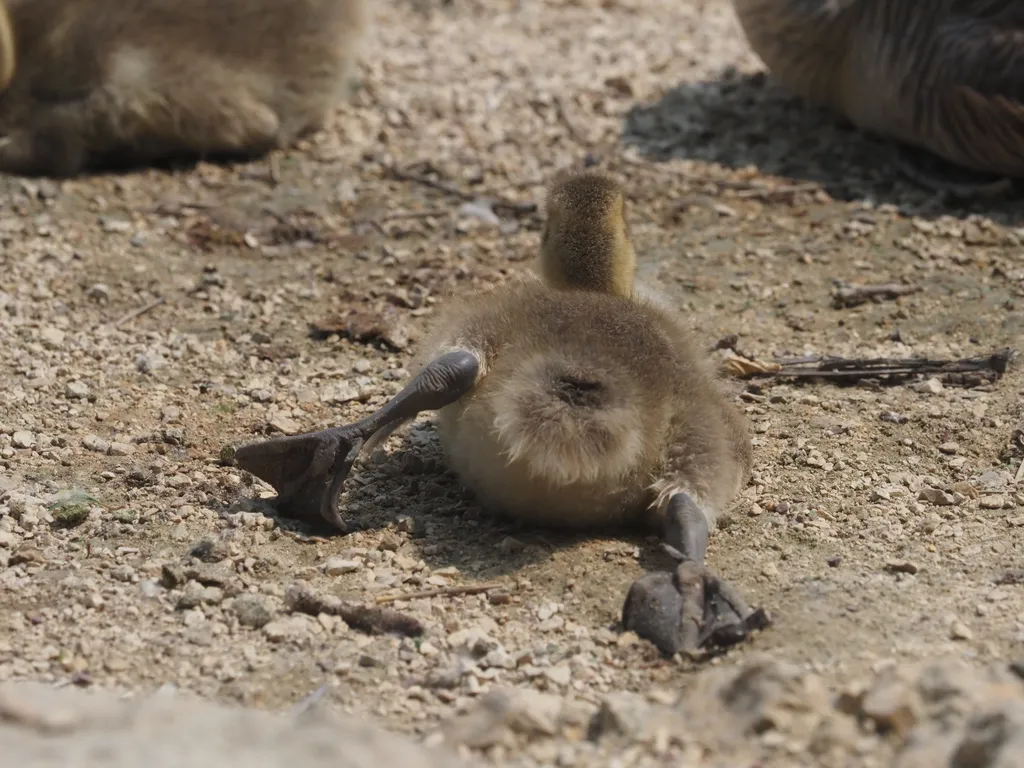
column 90, row 84
column 568, row 400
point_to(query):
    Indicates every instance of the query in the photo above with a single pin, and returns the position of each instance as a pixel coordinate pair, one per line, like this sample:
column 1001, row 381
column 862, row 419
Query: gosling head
column 585, row 244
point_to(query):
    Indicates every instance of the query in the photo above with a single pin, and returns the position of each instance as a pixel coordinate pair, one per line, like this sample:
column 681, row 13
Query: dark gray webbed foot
column 308, row 471
column 689, row 608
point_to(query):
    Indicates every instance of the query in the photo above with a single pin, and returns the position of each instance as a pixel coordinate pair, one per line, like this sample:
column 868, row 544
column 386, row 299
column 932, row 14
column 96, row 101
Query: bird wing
column 978, row 86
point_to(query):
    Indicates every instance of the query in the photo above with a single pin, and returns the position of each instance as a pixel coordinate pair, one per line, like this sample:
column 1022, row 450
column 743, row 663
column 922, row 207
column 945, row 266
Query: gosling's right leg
column 690, row 607
column 308, row 471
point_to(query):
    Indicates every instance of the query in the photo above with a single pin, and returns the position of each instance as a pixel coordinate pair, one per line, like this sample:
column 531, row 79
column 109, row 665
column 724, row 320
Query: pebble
column 52, row 338
column 335, row 566
column 937, row 497
column 23, row 439
column 949, row 448
column 992, row 502
column 622, row 712
column 76, row 390
column 510, row 546
column 559, row 675
column 902, row 566
column 284, row 425
column 891, row 705
column 95, row 443
column 960, row 631
column 252, row 610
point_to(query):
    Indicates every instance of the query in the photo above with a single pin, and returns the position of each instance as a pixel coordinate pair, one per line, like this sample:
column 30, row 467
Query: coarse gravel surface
column 147, row 320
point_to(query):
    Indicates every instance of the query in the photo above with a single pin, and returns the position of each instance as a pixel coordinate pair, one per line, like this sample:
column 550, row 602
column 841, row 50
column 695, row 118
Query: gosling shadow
column 412, row 490
column 740, row 120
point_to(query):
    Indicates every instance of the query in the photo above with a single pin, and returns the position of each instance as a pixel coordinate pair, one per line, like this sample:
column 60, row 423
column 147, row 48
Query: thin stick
column 857, row 368
column 299, row 598
column 139, row 312
column 451, row 189
column 468, row 589
column 398, row 215
column 770, row 193
column 846, row 296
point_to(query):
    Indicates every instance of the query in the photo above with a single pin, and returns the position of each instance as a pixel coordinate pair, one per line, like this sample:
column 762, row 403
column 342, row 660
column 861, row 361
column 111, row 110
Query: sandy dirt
column 880, row 521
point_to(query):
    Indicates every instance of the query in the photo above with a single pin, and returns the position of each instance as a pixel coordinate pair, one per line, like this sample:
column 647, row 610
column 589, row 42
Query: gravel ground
column 149, row 319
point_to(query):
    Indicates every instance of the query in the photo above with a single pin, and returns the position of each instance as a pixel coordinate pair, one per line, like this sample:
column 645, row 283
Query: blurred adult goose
column 946, row 76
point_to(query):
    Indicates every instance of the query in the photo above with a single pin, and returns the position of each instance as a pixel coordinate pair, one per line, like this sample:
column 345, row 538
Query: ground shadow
column 742, row 120
column 412, row 488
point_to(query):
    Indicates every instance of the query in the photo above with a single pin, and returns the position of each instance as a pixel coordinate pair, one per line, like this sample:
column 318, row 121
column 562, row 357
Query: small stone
column 150, row 588
column 547, row 610
column 99, row 292
column 992, row 502
column 341, row 392
column 960, row 631
column 196, row 594
column 335, row 566
column 170, row 414
column 23, row 439
column 52, row 338
column 502, row 712
column 902, row 566
column 933, row 385
column 27, row 554
column 112, row 224
column 284, row 425
column 95, row 443
column 510, row 546
column 622, row 713
column 894, row 418
column 281, row 630
column 949, row 448
column 937, row 497
column 559, row 675
column 178, row 480
column 121, row 449
column 76, row 390
column 252, row 610
column 891, row 705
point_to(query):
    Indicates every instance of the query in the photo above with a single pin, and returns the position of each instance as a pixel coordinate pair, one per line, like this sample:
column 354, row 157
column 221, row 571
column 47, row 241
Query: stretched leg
column 689, row 608
column 307, row 471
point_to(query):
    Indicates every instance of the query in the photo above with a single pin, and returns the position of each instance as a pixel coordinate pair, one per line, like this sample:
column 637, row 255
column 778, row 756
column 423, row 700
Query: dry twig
column 366, row 618
column 839, row 368
column 516, row 208
column 846, row 296
column 467, row 589
column 138, row 312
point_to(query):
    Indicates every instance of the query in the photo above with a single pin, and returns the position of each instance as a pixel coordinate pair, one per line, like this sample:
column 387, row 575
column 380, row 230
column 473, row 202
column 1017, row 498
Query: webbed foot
column 689, row 608
column 307, row 471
